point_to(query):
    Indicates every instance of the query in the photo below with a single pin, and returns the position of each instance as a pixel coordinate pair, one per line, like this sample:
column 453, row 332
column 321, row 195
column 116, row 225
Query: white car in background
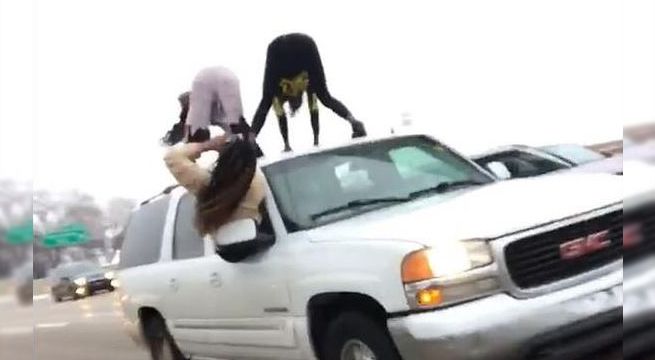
column 522, row 161
column 392, row 248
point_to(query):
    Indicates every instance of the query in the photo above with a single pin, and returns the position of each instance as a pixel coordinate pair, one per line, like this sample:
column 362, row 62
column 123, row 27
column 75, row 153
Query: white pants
column 215, row 99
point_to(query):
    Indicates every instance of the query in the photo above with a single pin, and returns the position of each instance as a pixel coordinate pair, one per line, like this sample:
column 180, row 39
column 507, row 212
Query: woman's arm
column 181, row 162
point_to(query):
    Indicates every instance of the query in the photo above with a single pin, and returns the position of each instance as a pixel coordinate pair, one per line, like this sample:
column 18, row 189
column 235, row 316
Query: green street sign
column 20, row 235
column 71, row 235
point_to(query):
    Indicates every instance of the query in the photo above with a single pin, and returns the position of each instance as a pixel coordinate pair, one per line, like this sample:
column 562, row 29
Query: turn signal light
column 416, row 267
column 429, row 297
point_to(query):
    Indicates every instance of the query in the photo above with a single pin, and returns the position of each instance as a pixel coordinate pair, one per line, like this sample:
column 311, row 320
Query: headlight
column 80, row 281
column 445, row 260
column 110, row 275
column 448, row 273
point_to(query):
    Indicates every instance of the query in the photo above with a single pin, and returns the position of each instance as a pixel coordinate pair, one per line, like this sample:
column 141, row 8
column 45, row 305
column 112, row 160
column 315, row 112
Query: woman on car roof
column 293, row 68
column 214, row 99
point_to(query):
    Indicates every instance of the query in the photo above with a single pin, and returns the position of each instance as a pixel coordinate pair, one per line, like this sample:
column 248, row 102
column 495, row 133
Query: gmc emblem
column 585, row 245
column 632, row 235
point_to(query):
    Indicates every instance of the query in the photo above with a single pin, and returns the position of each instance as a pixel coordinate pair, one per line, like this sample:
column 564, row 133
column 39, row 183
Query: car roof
column 274, row 158
column 76, row 263
column 503, row 149
column 283, row 156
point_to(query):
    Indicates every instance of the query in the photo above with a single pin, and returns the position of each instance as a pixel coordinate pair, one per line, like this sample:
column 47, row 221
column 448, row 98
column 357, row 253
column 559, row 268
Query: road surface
column 88, row 329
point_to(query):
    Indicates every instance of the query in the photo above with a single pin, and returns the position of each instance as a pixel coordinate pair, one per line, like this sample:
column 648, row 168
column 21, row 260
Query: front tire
column 160, row 342
column 354, row 336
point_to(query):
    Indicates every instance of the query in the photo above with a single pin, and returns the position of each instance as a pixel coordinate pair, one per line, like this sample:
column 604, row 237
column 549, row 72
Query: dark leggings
column 287, row 56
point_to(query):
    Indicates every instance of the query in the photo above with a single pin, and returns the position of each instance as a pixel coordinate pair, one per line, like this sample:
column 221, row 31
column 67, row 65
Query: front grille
column 536, row 260
column 644, row 217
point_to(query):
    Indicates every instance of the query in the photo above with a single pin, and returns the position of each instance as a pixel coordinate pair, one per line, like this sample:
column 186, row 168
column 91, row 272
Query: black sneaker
column 358, row 129
column 201, row 135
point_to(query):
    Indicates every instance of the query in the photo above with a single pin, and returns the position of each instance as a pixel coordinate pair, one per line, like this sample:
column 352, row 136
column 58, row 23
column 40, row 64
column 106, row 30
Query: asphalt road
column 88, row 329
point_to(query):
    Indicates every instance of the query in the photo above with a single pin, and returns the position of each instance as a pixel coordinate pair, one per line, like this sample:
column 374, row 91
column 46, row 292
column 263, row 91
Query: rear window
column 187, row 243
column 144, row 233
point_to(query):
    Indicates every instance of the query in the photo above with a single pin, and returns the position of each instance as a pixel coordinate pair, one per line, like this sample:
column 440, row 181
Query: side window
column 142, row 244
column 521, row 164
column 187, row 243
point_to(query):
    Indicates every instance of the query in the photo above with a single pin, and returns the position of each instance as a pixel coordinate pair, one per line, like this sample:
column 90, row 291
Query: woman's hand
column 215, row 144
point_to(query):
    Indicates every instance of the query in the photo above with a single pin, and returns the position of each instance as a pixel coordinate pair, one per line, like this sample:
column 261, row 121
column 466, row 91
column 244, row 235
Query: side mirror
column 238, row 240
column 235, row 232
column 499, row 170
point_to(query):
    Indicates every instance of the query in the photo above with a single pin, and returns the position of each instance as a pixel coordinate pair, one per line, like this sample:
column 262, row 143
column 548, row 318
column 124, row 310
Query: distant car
column 79, row 279
column 638, row 152
column 521, row 161
column 23, row 278
column 573, row 154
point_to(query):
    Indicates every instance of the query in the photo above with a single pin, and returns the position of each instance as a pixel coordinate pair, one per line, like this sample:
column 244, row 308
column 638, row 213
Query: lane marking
column 40, row 297
column 52, row 325
column 16, row 330
column 89, row 315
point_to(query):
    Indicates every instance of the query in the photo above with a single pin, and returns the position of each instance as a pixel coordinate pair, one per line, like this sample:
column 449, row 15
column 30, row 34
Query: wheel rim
column 356, row 350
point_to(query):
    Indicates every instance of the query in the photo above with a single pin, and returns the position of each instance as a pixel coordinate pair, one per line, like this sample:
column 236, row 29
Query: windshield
column 574, row 153
column 75, row 269
column 320, row 188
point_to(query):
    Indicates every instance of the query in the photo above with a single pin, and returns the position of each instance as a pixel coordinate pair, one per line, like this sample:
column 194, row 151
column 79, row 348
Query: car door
column 193, row 277
column 251, row 313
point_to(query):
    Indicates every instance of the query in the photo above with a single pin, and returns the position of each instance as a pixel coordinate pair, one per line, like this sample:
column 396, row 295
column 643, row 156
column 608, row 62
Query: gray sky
column 89, row 87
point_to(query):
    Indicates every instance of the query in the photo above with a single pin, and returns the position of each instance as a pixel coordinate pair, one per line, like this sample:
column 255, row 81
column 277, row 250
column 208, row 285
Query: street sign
column 19, row 235
column 71, row 235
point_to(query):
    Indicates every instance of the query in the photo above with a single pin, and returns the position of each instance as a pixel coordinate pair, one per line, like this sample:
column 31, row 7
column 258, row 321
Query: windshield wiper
column 359, row 203
column 445, row 187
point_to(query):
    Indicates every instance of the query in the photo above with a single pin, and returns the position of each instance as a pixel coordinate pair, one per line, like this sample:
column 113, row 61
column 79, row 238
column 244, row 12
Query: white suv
column 384, row 249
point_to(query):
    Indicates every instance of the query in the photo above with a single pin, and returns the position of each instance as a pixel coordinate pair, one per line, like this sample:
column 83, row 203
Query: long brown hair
column 230, row 181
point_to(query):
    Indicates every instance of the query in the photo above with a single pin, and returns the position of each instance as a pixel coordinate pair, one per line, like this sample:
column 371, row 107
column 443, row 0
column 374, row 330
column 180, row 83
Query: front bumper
column 504, row 327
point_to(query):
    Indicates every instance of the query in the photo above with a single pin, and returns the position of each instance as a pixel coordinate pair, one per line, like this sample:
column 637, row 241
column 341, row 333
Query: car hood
column 483, row 212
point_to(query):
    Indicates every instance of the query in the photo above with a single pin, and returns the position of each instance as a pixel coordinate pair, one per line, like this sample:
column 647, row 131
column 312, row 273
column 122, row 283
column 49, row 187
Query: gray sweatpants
column 215, row 99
